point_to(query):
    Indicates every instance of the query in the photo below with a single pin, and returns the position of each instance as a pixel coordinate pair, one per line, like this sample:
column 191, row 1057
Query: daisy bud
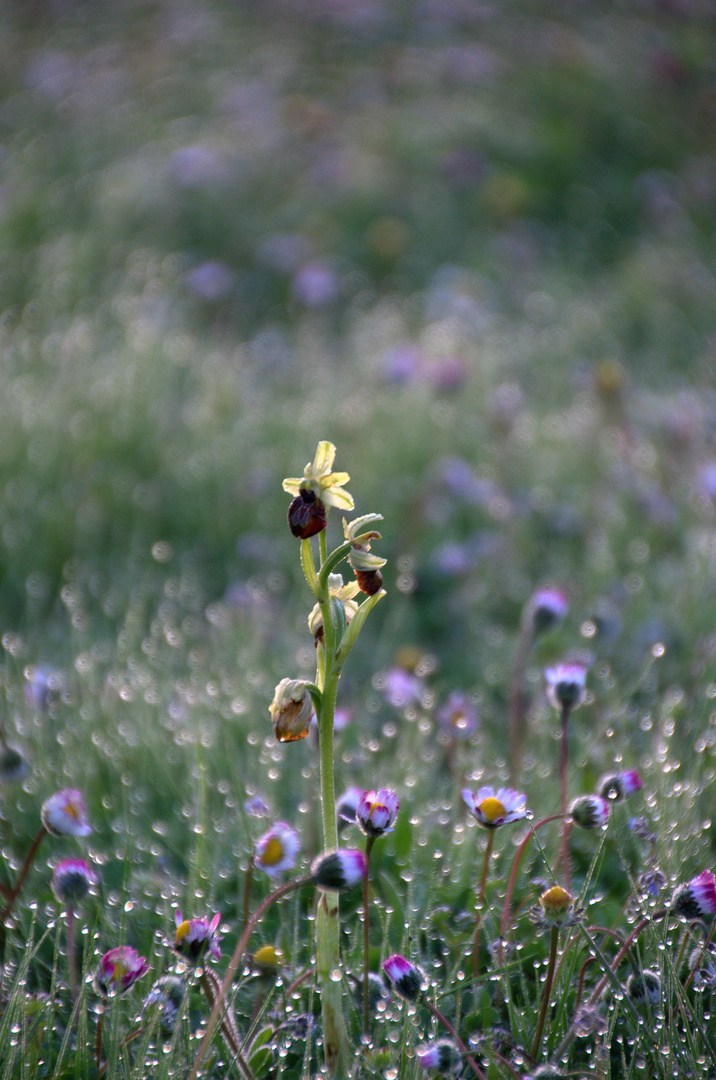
column 697, row 899
column 65, row 814
column 378, row 995
column 291, row 710
column 306, row 514
column 376, row 811
column 13, row 765
column 338, row 870
column 643, row 986
column 556, row 908
column 590, row 812
column 544, row 609
column 441, row 1056
column 618, row 786
column 407, row 979
column 119, row 969
column 566, row 685
column 72, row 879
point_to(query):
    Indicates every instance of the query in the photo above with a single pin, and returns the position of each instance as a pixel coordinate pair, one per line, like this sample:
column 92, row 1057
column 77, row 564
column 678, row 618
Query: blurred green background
column 470, row 243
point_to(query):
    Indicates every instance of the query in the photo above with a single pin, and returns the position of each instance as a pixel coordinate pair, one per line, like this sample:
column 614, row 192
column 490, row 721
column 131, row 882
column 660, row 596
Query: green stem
column 546, row 993
column 366, row 935
column 480, row 902
column 566, row 822
column 328, row 957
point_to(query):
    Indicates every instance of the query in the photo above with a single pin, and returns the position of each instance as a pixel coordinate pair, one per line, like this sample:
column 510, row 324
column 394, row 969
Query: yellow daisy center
column 267, row 956
column 182, row 930
column 491, row 808
column 272, row 853
column 555, row 898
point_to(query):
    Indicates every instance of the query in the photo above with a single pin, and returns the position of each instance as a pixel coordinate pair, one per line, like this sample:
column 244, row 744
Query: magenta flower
column 72, row 879
column 697, row 899
column 376, row 811
column 492, row 808
column 277, row 849
column 119, row 969
column 338, row 870
column 65, row 814
column 566, row 684
column 407, row 979
column 194, row 937
column 618, row 786
column 458, row 715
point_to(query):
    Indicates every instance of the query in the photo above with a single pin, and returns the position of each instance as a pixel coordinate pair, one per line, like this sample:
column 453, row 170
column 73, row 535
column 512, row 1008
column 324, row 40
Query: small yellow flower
column 319, row 478
column 555, row 908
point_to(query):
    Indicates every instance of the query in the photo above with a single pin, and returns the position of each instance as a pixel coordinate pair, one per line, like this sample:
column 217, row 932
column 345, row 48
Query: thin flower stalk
column 546, row 991
column 563, row 779
column 433, row 1009
column 507, row 905
column 29, row 859
column 370, row 840
column 480, row 902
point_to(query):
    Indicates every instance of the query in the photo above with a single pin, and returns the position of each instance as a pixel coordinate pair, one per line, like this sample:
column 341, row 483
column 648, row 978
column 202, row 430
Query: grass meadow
column 473, row 246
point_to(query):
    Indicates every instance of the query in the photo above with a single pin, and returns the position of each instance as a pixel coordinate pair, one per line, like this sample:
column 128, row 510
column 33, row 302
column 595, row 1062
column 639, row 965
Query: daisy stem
column 515, row 868
column 234, row 963
column 248, row 877
column 366, row 935
column 566, row 823
column 480, row 902
column 517, row 701
column 29, row 859
column 546, row 993
column 458, row 1041
column 71, row 960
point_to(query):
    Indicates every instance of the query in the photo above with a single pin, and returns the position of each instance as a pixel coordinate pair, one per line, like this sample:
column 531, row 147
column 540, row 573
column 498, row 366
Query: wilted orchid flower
column 376, row 811
column 291, row 710
column 194, row 937
column 337, row 592
column 492, row 808
column 65, row 814
column 119, row 969
column 277, row 849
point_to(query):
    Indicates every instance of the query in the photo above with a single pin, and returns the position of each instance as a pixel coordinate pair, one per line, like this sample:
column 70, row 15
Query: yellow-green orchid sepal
column 318, row 477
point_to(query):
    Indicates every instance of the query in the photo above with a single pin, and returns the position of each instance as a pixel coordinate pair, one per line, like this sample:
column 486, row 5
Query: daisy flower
column 407, row 979
column 119, row 969
column 555, row 908
column 492, row 808
column 277, row 849
column 376, row 811
column 194, row 937
column 618, row 786
column 65, row 814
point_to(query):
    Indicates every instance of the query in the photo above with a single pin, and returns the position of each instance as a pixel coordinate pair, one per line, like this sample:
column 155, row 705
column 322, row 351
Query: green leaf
column 355, row 626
